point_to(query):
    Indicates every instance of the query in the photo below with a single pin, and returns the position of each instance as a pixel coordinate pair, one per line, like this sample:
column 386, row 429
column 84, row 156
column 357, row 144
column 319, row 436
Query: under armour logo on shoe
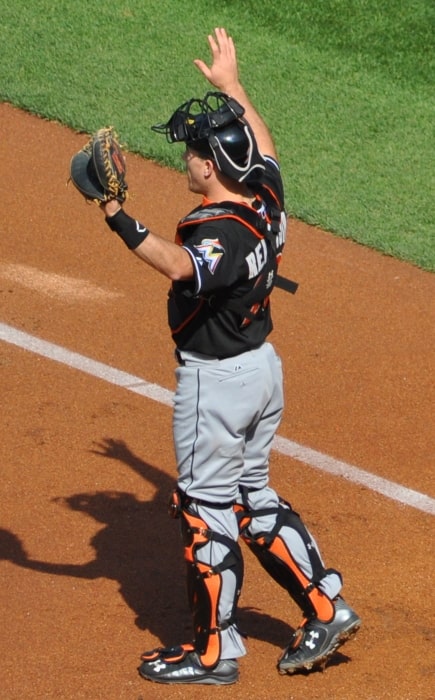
column 310, row 642
column 158, row 665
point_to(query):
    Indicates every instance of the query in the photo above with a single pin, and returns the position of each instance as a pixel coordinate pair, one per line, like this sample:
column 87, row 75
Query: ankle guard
column 204, row 582
column 169, row 655
column 276, row 558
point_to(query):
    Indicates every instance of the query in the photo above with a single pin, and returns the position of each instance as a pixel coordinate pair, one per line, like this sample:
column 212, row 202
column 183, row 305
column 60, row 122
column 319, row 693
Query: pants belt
column 204, row 358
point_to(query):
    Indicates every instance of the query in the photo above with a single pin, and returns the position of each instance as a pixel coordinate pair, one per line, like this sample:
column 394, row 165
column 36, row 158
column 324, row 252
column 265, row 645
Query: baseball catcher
column 229, row 398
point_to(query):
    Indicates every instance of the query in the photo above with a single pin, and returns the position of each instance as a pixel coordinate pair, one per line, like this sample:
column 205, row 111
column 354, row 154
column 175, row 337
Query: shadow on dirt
column 140, row 547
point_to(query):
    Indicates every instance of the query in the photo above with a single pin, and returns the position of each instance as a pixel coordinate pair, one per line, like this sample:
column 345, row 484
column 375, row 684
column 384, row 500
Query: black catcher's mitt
column 98, row 169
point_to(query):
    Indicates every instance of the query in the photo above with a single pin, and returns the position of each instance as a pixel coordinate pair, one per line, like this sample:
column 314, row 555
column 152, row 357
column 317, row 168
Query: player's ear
column 209, row 167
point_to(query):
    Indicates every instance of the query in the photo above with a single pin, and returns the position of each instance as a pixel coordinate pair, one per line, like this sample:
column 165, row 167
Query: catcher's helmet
column 215, row 128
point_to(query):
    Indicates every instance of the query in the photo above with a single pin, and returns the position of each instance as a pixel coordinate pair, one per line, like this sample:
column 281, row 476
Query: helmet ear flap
column 235, row 151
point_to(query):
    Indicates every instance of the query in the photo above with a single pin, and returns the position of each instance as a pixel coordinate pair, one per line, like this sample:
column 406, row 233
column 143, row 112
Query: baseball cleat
column 315, row 642
column 178, row 665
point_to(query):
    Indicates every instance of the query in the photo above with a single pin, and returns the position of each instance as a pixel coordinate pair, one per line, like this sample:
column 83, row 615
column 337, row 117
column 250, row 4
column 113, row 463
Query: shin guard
column 204, row 584
column 275, row 555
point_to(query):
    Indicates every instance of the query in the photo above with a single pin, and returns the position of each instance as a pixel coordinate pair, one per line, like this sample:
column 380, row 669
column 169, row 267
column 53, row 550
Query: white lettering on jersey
column 211, row 252
column 257, row 259
column 282, row 230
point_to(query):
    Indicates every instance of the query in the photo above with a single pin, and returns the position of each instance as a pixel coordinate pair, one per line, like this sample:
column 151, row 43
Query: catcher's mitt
column 98, row 169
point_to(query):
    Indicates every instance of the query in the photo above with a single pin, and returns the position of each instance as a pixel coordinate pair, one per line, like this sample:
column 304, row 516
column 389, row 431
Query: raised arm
column 223, row 74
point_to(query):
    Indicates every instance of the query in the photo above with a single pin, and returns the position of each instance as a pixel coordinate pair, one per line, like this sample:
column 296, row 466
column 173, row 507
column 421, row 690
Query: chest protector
column 267, row 223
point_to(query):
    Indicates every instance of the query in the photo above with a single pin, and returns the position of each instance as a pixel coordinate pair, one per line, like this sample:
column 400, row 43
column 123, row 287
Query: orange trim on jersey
column 272, row 194
column 189, row 318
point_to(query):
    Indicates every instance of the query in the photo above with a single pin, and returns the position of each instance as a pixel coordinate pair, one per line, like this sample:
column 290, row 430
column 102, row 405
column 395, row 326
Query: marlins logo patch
column 211, row 251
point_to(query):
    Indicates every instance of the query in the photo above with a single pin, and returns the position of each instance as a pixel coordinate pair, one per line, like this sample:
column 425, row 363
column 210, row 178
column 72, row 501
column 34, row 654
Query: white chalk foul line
column 318, row 460
column 303, row 454
column 85, row 364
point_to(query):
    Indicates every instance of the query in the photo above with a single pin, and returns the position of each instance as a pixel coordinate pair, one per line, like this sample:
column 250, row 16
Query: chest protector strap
column 261, row 225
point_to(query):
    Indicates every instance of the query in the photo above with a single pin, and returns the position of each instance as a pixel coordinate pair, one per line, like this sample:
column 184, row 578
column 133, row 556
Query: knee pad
column 204, row 581
column 274, row 554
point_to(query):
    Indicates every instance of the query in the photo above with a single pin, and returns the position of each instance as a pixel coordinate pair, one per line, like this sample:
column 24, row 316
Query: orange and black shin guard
column 279, row 563
column 204, row 583
column 276, row 558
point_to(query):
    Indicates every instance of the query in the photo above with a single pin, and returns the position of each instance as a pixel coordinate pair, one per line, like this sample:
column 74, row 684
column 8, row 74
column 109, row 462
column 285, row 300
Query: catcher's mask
column 215, row 128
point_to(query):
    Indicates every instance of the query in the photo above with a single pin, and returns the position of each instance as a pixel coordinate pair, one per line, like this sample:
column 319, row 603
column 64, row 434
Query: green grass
column 345, row 85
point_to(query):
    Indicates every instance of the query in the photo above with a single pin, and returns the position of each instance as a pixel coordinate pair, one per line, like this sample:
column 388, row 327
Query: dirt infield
column 91, row 567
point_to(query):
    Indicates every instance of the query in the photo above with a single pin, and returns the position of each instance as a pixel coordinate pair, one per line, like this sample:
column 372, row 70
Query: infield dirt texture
column 91, row 570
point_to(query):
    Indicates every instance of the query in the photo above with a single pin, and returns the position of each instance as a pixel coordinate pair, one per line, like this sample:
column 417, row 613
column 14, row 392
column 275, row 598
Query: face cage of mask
column 195, row 119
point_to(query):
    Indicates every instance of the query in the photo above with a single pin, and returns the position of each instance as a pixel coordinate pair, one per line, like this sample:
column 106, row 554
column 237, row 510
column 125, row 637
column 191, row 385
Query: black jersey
column 235, row 248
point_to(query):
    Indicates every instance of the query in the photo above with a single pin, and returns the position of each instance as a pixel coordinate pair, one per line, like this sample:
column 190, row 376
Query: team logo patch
column 211, row 252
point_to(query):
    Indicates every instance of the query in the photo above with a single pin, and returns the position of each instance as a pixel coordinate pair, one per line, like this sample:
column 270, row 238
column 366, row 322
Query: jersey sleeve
column 271, row 179
column 218, row 256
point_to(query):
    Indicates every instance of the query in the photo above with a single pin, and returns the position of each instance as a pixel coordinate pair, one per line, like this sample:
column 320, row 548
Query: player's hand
column 223, row 72
column 111, row 207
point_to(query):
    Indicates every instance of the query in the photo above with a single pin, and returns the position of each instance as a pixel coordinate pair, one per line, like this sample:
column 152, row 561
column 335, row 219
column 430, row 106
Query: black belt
column 182, row 362
column 179, row 359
